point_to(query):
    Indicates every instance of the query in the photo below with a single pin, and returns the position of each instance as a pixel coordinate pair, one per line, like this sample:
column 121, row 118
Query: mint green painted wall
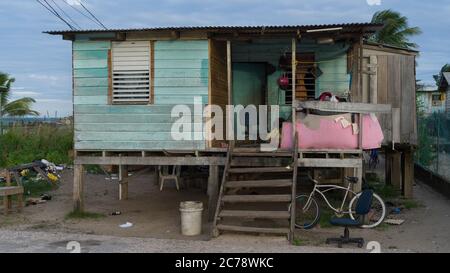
column 181, row 72
column 332, row 61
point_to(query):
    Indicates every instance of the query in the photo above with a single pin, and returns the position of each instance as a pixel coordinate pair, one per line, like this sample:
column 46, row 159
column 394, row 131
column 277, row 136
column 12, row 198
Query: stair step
column 255, row 214
column 257, row 198
column 261, row 170
column 253, row 229
column 259, row 183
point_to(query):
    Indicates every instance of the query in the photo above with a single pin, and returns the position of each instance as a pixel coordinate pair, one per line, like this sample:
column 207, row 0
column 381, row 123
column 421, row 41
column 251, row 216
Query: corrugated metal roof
column 390, row 46
column 367, row 27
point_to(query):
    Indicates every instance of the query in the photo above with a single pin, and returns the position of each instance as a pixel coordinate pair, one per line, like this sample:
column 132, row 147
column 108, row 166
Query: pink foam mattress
column 333, row 132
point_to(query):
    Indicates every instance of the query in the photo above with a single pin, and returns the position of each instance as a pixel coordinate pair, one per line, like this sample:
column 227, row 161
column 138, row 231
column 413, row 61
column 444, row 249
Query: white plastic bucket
column 191, row 218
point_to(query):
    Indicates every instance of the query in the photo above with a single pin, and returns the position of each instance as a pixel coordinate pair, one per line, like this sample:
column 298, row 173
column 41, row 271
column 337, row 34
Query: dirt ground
column 155, row 214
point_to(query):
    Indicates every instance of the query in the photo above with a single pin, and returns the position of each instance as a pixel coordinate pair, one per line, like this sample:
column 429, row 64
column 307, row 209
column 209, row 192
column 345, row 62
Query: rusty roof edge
column 371, row 43
column 365, row 27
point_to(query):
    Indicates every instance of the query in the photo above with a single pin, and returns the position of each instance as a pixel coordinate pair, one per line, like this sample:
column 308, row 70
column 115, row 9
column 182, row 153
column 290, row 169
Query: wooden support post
column 78, row 188
column 7, row 202
column 8, row 178
column 396, row 170
column 294, row 74
column 358, row 172
column 156, row 181
column 230, row 116
column 123, row 182
column 213, row 190
column 388, row 166
column 408, row 173
column 5, row 205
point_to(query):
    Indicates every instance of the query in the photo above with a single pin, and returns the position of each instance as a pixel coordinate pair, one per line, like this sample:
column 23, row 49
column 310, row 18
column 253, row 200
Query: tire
column 306, row 219
column 377, row 205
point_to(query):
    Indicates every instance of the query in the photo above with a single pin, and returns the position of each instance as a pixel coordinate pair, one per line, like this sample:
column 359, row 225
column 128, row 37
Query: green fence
column 433, row 152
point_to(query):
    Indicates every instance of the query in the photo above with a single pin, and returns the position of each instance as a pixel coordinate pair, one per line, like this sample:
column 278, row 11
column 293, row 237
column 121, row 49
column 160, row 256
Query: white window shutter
column 131, row 72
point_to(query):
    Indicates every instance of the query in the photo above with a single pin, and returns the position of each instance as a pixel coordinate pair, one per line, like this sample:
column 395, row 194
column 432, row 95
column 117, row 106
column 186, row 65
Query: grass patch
column 298, row 242
column 325, row 218
column 94, row 169
column 385, row 191
column 411, row 204
column 21, row 145
column 34, row 188
column 382, row 227
column 83, row 215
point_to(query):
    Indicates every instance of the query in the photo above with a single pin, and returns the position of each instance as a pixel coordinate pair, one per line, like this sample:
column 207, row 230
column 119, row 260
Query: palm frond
column 20, row 107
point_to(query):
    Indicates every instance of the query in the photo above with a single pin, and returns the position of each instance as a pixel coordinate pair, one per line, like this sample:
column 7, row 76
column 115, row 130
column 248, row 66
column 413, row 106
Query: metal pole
column 438, row 143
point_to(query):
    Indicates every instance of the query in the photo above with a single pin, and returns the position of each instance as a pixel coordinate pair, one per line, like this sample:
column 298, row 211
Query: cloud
column 43, row 77
column 24, row 93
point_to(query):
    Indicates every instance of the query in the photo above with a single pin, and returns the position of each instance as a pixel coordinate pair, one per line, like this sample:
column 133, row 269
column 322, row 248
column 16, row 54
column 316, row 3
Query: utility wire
column 53, row 11
column 67, row 15
column 81, row 12
column 93, row 15
column 58, row 15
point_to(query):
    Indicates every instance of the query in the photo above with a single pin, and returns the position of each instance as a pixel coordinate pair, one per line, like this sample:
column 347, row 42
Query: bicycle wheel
column 306, row 217
column 377, row 211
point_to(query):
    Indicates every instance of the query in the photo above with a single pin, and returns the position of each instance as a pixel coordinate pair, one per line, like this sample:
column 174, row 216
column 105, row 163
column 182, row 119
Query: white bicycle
column 308, row 210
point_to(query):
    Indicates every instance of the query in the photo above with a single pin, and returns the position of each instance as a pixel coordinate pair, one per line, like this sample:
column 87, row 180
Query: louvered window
column 131, row 72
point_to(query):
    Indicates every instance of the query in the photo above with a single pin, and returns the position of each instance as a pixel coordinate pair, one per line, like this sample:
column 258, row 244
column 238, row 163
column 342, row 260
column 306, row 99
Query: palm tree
column 20, row 107
column 396, row 31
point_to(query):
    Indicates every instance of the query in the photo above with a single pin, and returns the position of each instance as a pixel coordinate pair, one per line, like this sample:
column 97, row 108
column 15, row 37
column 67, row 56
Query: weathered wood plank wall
column 396, row 81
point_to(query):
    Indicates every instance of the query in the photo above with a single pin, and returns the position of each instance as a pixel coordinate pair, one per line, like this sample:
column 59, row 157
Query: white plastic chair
column 166, row 174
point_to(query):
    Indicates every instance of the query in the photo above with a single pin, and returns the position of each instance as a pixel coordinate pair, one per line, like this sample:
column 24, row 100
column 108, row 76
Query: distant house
column 432, row 99
column 444, row 87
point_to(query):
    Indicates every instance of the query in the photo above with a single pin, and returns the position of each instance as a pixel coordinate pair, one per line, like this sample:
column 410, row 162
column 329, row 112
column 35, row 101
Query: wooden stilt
column 5, row 205
column 408, row 174
column 396, row 170
column 78, row 188
column 213, row 190
column 123, row 182
column 156, row 181
column 388, row 166
column 358, row 172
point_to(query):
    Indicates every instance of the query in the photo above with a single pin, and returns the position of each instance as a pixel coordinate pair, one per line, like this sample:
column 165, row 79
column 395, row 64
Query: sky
column 41, row 63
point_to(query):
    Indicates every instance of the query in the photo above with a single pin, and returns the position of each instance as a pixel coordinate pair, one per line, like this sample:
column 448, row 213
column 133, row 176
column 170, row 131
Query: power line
column 57, row 14
column 67, row 15
column 81, row 12
column 93, row 15
column 54, row 12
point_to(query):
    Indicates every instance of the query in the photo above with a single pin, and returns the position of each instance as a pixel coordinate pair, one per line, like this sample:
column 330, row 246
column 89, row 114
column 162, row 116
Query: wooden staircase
column 269, row 193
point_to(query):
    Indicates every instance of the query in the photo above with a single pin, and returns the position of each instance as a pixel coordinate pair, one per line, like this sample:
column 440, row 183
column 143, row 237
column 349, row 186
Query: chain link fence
column 433, row 152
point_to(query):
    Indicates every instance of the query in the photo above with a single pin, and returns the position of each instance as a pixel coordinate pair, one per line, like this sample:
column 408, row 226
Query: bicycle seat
column 352, row 179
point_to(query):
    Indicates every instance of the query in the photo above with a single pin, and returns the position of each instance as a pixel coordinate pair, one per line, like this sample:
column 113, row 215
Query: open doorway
column 249, row 88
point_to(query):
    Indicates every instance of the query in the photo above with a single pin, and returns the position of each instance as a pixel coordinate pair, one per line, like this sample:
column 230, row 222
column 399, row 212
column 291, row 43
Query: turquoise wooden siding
column 181, row 73
column 332, row 61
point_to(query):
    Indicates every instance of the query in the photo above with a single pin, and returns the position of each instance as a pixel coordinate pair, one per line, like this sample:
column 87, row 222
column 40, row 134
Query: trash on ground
column 45, row 170
column 35, row 201
column 46, row 197
column 396, row 210
column 126, row 225
column 395, row 222
column 115, row 213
